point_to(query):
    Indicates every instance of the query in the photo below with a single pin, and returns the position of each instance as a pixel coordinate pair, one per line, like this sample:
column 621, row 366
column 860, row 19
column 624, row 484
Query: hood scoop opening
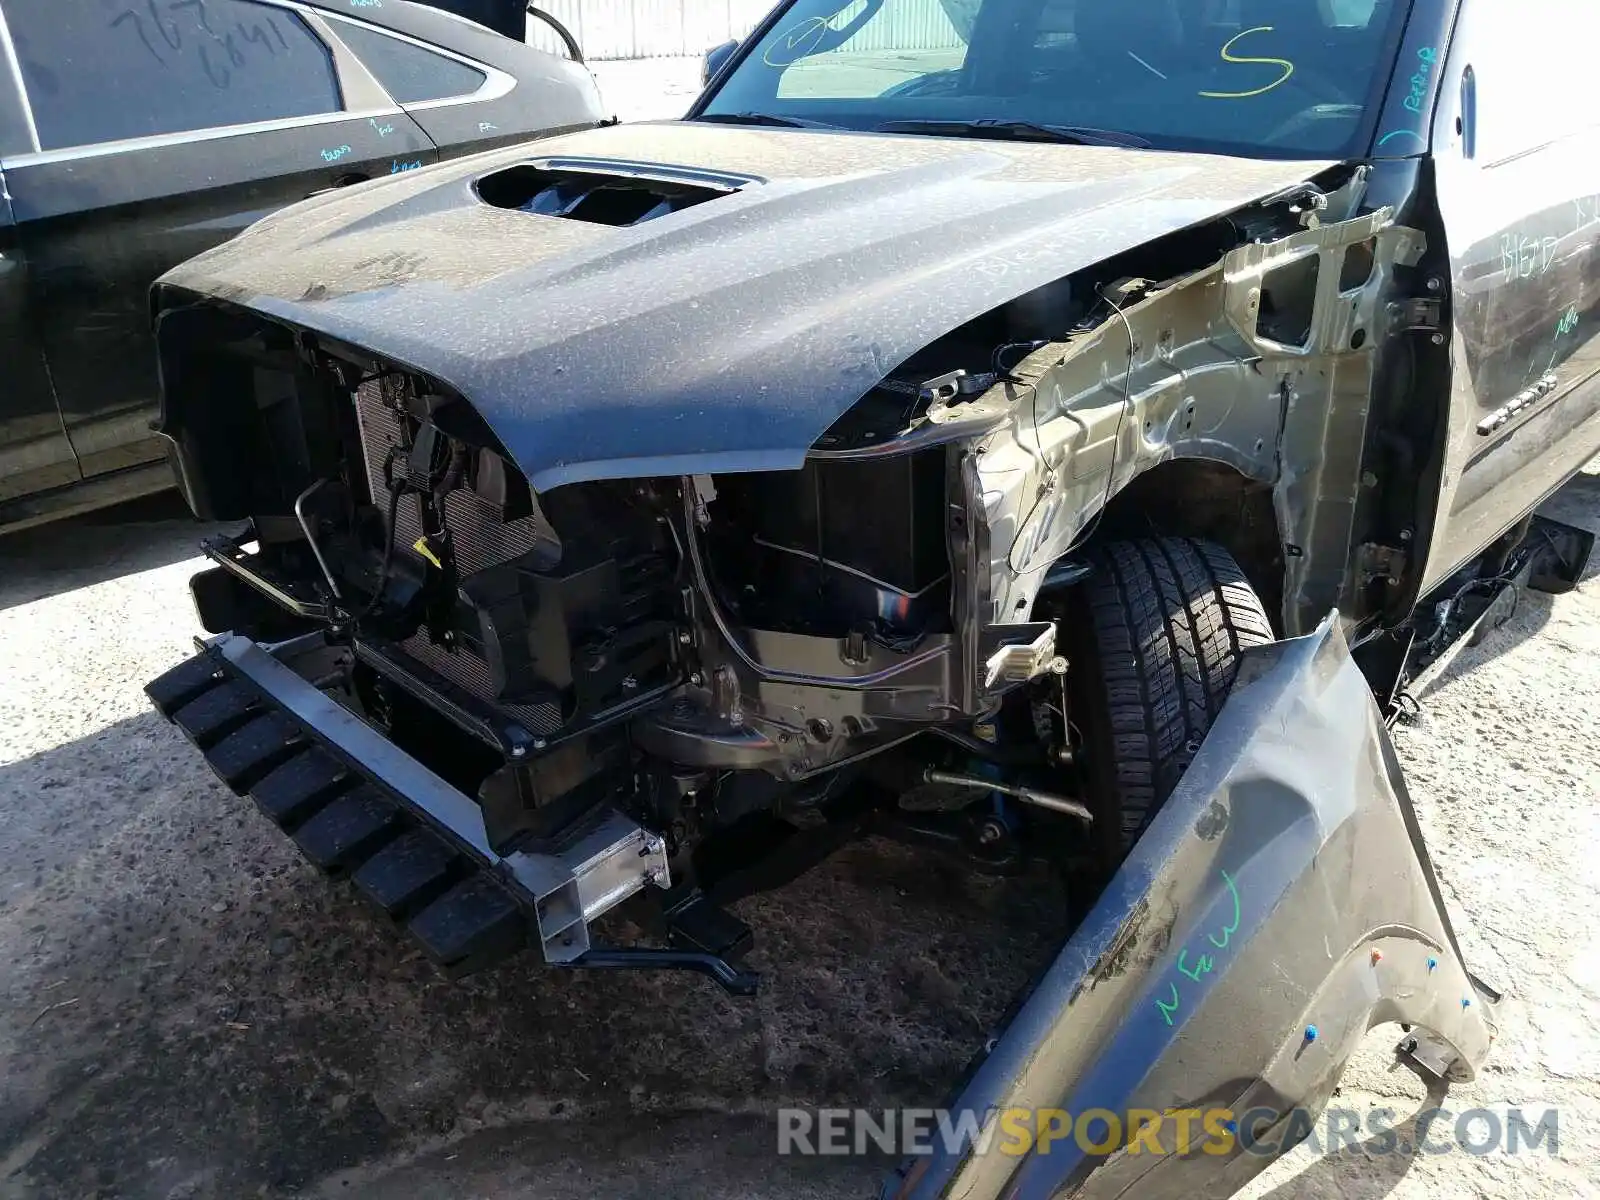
column 604, row 192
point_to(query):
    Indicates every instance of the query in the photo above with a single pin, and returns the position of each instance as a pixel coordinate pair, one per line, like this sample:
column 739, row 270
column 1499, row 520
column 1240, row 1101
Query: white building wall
column 608, row 29
column 647, row 28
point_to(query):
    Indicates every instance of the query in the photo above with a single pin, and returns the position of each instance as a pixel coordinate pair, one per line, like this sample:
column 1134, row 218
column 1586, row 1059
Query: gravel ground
column 189, row 1011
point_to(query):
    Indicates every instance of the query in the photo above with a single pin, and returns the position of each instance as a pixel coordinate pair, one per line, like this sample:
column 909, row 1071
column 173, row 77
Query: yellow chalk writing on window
column 1288, row 67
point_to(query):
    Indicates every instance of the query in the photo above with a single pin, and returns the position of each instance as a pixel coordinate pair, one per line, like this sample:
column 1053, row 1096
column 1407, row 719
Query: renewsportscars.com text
column 1098, row 1131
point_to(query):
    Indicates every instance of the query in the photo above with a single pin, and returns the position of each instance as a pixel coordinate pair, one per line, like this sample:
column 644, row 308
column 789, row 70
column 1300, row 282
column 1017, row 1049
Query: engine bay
column 741, row 670
column 739, row 666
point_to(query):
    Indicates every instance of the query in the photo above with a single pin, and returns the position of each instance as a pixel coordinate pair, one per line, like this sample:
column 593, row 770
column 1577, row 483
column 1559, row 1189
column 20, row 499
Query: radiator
column 479, row 538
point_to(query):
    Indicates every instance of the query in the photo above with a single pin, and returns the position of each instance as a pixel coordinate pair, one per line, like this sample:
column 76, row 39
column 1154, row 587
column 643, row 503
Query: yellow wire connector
column 421, row 547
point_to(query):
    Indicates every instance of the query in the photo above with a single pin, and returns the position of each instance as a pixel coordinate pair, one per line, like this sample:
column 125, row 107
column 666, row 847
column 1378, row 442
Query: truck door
column 1516, row 147
column 35, row 454
column 164, row 127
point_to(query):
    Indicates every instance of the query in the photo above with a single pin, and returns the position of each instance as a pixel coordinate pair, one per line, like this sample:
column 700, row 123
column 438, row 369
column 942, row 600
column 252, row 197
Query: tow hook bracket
column 579, row 883
column 705, row 938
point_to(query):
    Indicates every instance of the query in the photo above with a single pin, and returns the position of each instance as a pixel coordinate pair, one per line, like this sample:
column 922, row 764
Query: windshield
column 1267, row 78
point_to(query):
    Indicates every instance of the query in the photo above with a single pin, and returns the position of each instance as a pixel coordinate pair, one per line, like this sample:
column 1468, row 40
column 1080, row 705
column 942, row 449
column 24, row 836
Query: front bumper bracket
column 357, row 805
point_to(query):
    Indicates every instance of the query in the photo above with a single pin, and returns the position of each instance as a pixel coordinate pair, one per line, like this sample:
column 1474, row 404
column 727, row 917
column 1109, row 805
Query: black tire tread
column 1169, row 619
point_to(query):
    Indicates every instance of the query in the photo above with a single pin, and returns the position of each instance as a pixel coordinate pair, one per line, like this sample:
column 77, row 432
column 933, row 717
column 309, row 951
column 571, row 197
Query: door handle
column 1467, row 122
column 342, row 182
column 1542, row 387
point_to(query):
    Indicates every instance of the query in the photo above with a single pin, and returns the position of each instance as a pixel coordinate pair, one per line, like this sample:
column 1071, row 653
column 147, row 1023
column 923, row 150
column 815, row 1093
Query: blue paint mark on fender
column 396, row 167
column 335, row 154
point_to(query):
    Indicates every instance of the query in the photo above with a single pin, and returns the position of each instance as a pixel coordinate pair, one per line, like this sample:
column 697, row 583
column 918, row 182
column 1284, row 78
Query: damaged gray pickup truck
column 1027, row 428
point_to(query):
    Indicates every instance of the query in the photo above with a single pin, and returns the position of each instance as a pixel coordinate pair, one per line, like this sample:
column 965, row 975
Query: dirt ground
column 187, row 1011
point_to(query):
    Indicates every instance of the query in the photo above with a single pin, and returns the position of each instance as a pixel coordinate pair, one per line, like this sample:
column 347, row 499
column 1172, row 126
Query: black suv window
column 104, row 70
column 409, row 73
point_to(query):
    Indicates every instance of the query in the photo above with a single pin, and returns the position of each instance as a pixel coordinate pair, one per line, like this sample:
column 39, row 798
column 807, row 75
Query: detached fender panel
column 1284, row 886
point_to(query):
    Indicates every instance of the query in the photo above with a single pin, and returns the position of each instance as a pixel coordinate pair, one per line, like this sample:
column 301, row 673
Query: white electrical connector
column 1020, row 663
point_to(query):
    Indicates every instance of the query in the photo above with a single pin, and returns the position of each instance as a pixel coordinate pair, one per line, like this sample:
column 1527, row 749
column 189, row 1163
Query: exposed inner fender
column 1251, row 909
column 1188, row 369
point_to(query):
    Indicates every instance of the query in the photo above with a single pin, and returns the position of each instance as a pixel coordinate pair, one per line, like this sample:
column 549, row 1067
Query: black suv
column 136, row 133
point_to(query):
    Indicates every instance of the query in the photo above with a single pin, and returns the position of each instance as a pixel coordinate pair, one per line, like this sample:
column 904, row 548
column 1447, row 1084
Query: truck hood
column 725, row 336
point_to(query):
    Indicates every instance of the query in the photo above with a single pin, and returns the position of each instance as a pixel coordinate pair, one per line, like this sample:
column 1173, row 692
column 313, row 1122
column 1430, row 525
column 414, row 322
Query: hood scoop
column 604, row 192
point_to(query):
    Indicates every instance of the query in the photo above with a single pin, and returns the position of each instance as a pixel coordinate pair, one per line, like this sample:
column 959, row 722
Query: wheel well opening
column 1211, row 500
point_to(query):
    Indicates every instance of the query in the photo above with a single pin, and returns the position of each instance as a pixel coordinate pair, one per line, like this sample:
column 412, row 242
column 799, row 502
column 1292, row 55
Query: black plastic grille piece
column 344, row 822
column 349, row 830
column 250, row 751
column 409, row 873
column 212, row 715
column 294, row 790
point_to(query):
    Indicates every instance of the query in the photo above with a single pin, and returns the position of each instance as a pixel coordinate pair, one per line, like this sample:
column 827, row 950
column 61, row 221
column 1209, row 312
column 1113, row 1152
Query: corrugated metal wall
column 667, row 28
column 647, row 28
column 906, row 25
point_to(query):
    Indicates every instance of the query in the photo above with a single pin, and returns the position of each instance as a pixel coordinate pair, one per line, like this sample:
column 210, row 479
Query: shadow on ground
column 1577, row 503
column 1373, row 1168
column 192, row 1011
column 141, row 535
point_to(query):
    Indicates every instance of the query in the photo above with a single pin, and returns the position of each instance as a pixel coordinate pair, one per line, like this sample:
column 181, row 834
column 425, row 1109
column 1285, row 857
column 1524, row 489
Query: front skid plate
column 356, row 805
column 1280, row 905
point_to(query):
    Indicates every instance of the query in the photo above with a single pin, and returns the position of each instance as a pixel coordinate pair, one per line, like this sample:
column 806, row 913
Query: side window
column 1054, row 30
column 105, row 70
column 1352, row 12
column 410, row 73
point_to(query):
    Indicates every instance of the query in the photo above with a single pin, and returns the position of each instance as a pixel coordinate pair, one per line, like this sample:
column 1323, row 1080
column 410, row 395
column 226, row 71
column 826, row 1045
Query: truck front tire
column 1155, row 642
